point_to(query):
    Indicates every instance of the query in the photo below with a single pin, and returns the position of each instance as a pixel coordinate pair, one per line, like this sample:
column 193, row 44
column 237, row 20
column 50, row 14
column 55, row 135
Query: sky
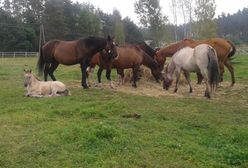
column 126, row 7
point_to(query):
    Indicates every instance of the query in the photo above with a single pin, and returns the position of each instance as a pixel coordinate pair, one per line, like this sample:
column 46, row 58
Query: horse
column 202, row 58
column 129, row 56
column 80, row 51
column 151, row 52
column 37, row 88
column 224, row 48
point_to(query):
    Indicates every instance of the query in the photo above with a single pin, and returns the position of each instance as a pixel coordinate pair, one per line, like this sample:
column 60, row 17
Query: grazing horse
column 151, row 52
column 201, row 59
column 80, row 51
column 37, row 88
column 224, row 48
column 129, row 56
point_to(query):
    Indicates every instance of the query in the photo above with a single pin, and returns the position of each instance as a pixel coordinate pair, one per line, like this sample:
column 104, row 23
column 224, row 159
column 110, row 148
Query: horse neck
column 34, row 81
column 171, row 69
column 171, row 49
column 151, row 52
column 97, row 45
column 149, row 61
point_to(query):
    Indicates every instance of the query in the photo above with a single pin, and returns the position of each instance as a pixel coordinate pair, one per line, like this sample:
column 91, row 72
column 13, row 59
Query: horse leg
column 178, row 72
column 121, row 76
column 83, row 67
column 205, row 77
column 187, row 77
column 135, row 73
column 99, row 74
column 52, row 68
column 46, row 70
column 221, row 66
column 231, row 70
column 199, row 78
column 90, row 71
column 108, row 72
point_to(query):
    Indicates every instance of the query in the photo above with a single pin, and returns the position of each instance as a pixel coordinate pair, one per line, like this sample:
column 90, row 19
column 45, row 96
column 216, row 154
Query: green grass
column 87, row 129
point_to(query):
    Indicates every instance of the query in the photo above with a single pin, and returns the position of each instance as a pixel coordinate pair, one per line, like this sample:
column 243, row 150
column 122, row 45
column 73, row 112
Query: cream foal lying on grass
column 37, row 88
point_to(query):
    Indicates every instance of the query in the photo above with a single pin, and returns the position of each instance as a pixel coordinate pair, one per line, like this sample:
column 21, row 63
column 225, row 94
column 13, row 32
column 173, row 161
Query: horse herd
column 207, row 58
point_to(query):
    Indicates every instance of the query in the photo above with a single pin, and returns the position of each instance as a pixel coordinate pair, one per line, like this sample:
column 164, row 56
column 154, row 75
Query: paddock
column 89, row 127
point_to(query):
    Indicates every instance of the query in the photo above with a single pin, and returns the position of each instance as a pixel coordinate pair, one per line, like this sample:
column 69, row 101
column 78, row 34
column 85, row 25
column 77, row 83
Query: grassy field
column 88, row 129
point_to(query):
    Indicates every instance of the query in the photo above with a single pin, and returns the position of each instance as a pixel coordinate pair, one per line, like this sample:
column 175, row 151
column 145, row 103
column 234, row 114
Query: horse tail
column 233, row 49
column 41, row 62
column 67, row 92
column 213, row 69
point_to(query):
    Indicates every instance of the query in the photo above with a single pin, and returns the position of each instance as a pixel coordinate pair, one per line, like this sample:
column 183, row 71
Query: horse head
column 27, row 77
column 110, row 48
column 160, row 59
column 167, row 81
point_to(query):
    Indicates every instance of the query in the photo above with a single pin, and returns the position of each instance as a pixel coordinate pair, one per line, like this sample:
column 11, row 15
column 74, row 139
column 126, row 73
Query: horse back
column 128, row 56
column 69, row 52
column 222, row 47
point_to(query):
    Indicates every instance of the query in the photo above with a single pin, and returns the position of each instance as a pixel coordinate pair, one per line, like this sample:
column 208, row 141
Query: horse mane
column 188, row 39
column 148, row 49
column 36, row 77
column 92, row 41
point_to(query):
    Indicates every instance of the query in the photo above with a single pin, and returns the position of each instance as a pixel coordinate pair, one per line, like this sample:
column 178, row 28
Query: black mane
column 93, row 41
column 149, row 50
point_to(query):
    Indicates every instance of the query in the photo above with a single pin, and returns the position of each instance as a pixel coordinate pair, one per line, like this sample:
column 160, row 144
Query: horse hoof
column 135, row 86
column 207, row 94
column 175, row 90
column 190, row 90
column 86, row 87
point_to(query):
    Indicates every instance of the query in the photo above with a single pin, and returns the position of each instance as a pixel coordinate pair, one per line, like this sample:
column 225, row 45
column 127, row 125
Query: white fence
column 18, row 54
column 242, row 50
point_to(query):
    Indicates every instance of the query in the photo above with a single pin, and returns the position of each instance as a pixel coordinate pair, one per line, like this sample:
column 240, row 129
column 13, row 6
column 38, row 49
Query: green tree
column 15, row 36
column 150, row 16
column 206, row 25
column 54, row 19
column 133, row 34
column 118, row 28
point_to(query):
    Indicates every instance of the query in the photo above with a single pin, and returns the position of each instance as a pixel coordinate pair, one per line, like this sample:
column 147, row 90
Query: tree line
column 20, row 22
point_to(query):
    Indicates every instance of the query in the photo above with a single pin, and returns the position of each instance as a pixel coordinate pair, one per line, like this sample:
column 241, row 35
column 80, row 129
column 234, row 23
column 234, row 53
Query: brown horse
column 129, row 56
column 80, row 51
column 224, row 48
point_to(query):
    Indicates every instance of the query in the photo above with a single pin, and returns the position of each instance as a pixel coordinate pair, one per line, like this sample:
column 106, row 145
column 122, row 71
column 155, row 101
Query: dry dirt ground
column 146, row 86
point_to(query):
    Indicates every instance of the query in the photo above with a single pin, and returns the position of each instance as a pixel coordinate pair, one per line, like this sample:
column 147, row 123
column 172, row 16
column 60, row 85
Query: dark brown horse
column 129, row 56
column 80, row 51
column 224, row 48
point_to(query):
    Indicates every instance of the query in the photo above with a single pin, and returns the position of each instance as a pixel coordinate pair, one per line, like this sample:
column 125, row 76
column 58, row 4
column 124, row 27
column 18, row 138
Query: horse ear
column 109, row 38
